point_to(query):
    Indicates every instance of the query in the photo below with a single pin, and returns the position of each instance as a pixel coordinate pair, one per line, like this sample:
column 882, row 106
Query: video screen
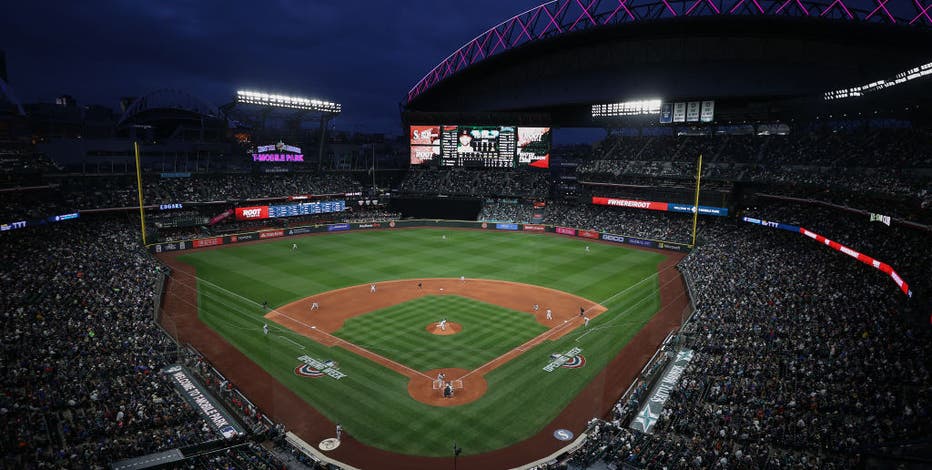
column 533, row 144
column 479, row 146
column 421, row 154
column 425, row 135
column 425, row 144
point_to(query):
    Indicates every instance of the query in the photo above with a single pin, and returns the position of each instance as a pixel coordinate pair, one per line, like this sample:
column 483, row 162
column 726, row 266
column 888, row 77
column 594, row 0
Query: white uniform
column 443, row 325
column 586, row 319
column 294, row 246
column 587, row 248
column 549, row 314
column 462, row 278
column 265, row 328
column 314, row 306
column 372, row 288
column 339, row 431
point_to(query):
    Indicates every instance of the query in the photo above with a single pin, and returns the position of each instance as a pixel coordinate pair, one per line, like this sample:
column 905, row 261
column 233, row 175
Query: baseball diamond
column 487, row 284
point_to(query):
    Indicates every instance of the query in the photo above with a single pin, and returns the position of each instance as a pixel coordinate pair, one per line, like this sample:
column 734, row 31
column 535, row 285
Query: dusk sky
column 365, row 55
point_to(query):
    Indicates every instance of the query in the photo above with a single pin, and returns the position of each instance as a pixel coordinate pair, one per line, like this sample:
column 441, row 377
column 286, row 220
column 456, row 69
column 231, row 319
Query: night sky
column 363, row 54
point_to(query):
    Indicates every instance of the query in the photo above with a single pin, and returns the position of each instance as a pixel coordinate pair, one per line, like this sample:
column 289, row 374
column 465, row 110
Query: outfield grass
column 399, row 333
column 372, row 402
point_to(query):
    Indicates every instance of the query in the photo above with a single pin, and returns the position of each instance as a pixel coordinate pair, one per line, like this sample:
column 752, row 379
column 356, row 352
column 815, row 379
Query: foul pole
column 142, row 215
column 696, row 204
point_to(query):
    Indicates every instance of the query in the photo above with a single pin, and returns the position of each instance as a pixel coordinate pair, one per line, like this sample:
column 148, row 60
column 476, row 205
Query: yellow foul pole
column 696, row 205
column 142, row 215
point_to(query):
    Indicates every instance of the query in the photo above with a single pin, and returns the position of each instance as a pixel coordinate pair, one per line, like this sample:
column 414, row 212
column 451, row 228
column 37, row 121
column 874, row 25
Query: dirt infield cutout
column 336, row 306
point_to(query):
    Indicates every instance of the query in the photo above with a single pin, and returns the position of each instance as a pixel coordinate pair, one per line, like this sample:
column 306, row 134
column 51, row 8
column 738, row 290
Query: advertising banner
column 588, row 234
column 703, row 210
column 299, row 230
column 613, row 238
column 252, row 213
column 534, row 228
column 877, row 264
column 374, row 225
column 649, row 413
column 241, row 237
column 425, row 135
column 632, row 203
column 201, row 400
column 202, row 242
column 565, row 231
column 639, row 242
column 272, row 234
column 338, row 227
column 506, row 226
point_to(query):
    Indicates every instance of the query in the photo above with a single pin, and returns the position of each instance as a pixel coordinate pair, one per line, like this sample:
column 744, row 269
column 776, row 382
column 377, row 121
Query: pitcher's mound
column 452, row 328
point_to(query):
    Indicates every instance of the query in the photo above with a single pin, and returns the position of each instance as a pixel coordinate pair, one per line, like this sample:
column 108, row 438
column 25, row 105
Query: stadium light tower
column 291, row 102
column 325, row 110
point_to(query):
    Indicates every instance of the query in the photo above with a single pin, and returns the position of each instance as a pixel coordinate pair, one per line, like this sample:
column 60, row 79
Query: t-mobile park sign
column 279, row 152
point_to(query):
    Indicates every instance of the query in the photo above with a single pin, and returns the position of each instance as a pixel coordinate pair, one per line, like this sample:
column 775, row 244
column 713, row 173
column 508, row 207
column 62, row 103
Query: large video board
column 479, row 146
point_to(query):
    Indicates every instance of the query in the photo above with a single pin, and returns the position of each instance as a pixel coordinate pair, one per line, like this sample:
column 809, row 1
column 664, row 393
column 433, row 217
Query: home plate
column 329, row 444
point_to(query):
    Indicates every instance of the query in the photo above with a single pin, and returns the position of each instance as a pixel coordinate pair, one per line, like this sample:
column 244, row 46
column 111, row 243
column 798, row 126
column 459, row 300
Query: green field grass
column 372, row 402
column 399, row 333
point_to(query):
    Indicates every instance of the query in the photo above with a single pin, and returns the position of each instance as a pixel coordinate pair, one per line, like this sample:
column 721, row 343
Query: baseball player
column 294, row 246
column 443, row 237
column 549, row 314
column 339, row 431
column 536, row 307
column 443, row 324
column 419, row 285
column 265, row 304
column 462, row 278
column 582, row 312
column 372, row 288
column 586, row 319
column 587, row 248
column 441, row 377
column 265, row 328
column 315, row 306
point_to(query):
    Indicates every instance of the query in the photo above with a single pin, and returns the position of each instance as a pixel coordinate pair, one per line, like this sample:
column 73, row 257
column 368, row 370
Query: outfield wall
column 327, row 228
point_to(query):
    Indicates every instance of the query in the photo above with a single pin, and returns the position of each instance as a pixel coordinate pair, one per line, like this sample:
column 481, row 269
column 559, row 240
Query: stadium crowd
column 804, row 359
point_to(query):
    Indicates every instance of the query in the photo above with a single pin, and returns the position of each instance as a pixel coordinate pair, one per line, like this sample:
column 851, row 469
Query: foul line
column 338, row 340
column 508, row 356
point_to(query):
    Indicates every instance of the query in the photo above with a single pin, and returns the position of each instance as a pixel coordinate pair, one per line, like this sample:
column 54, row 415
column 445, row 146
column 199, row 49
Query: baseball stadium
column 602, row 235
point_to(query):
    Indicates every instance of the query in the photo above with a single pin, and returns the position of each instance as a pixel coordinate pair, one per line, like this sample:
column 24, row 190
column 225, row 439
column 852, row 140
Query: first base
column 329, row 444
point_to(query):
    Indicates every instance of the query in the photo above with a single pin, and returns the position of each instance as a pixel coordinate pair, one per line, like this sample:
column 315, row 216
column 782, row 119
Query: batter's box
column 457, row 384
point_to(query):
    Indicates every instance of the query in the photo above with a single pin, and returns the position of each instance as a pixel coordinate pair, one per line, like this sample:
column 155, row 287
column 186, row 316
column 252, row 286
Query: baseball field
column 368, row 356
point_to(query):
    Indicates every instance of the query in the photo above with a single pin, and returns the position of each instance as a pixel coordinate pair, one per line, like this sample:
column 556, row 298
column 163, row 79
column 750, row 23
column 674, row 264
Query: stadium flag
column 885, row 219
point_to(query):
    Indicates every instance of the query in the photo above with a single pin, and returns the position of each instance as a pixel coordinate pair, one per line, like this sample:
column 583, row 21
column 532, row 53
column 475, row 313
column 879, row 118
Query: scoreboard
column 308, row 208
column 479, row 146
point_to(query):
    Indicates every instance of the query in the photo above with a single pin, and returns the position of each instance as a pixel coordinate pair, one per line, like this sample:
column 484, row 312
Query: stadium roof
column 169, row 100
column 570, row 52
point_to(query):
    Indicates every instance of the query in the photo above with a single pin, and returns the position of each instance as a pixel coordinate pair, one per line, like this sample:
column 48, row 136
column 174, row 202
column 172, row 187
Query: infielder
column 536, row 307
column 443, row 324
column 314, row 306
column 372, row 288
column 549, row 314
column 462, row 278
column 586, row 319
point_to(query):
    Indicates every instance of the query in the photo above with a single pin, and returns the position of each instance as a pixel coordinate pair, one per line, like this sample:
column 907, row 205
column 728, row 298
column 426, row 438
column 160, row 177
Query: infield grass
column 372, row 402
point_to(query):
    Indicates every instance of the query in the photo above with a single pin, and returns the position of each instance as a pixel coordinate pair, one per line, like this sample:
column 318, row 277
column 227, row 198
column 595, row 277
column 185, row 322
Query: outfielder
column 265, row 328
column 294, row 246
column 587, row 248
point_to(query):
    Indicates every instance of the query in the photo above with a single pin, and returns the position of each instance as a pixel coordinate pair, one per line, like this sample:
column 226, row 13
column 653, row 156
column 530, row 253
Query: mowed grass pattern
column 399, row 332
column 372, row 402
